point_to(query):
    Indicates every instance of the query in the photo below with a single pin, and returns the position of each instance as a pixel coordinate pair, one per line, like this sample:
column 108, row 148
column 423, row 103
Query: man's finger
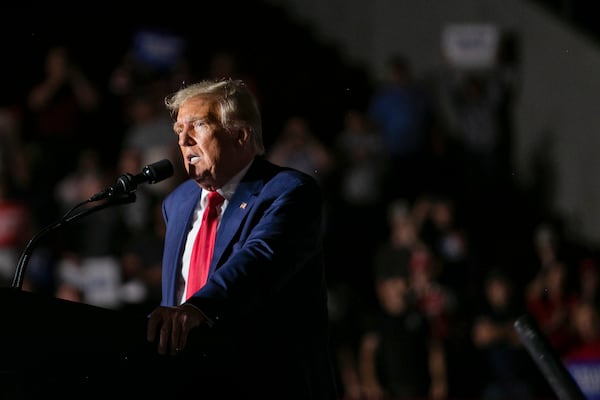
column 183, row 337
column 165, row 335
column 176, row 322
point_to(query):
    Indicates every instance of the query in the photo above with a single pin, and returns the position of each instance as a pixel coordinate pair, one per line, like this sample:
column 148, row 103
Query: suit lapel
column 239, row 206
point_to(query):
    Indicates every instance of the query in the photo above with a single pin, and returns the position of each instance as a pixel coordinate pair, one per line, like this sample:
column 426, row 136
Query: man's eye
column 198, row 124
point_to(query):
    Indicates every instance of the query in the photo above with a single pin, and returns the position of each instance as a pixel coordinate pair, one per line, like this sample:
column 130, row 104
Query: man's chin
column 192, row 171
column 206, row 184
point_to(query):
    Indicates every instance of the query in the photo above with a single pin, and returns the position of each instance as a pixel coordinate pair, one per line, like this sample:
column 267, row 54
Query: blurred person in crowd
column 504, row 360
column 582, row 359
column 353, row 292
column 148, row 129
column 80, row 182
column 550, row 300
column 400, row 357
column 588, row 289
column 16, row 228
column 62, row 105
column 61, row 117
column 299, row 148
column 548, row 245
column 399, row 109
column 476, row 104
column 264, row 298
column 420, row 210
column 14, row 155
column 352, row 289
column 361, row 161
column 436, row 300
column 447, row 237
column 402, row 238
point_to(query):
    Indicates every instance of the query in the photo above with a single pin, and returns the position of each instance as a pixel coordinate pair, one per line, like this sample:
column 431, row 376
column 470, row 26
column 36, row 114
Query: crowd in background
column 432, row 251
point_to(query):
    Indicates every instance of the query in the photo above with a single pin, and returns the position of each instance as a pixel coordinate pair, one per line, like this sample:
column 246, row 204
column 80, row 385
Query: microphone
column 128, row 183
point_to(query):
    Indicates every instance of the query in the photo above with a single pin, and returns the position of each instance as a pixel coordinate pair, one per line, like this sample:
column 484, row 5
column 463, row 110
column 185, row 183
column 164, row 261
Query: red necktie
column 203, row 246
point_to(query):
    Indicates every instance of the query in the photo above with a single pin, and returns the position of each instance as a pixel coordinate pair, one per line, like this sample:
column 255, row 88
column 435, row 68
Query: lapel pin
column 243, row 205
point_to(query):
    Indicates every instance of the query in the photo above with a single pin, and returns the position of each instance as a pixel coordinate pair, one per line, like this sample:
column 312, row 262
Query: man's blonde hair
column 233, row 104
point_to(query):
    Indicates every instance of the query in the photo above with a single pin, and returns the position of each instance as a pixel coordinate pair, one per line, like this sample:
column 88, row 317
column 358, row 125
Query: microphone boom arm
column 24, row 258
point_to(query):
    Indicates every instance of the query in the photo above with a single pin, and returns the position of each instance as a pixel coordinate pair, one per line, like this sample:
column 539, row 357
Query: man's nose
column 185, row 139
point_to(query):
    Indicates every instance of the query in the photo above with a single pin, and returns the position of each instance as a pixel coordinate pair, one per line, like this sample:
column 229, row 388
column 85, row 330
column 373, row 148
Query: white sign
column 470, row 45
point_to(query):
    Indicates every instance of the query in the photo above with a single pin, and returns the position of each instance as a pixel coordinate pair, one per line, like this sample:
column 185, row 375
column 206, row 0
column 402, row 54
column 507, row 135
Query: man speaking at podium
column 251, row 320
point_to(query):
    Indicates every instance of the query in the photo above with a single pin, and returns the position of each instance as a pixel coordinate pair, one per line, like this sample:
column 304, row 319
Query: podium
column 53, row 347
column 56, row 348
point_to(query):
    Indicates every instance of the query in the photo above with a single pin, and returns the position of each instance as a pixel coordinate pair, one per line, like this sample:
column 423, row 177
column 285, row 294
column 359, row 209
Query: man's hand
column 173, row 325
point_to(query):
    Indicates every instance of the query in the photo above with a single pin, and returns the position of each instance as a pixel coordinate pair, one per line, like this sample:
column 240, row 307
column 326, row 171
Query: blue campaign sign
column 587, row 375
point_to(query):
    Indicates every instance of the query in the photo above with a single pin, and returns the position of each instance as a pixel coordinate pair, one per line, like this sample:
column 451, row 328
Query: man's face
column 392, row 292
column 208, row 150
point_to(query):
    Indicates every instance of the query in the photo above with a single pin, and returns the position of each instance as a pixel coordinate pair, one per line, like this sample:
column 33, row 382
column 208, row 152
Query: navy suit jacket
column 266, row 289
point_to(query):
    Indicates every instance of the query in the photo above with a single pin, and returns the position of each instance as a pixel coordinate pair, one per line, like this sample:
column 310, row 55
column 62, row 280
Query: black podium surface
column 50, row 346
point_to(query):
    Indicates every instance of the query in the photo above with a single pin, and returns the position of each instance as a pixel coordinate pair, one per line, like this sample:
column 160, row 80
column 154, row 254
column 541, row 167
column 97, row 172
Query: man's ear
column 242, row 135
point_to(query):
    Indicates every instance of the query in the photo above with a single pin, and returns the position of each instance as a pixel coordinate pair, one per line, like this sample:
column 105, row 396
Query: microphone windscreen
column 158, row 171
